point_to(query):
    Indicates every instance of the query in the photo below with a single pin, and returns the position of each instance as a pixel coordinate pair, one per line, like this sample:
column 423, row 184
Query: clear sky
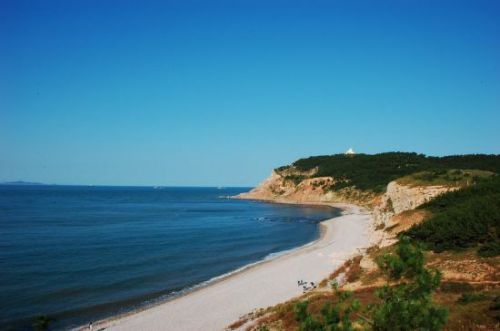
column 219, row 93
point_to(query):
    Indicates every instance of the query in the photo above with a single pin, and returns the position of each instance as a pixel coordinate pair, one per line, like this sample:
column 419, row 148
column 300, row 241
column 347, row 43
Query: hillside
column 363, row 178
column 448, row 207
column 462, row 219
column 374, row 172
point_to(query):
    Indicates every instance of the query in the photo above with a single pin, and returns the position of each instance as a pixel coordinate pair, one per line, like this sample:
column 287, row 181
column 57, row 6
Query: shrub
column 467, row 298
column 463, row 218
column 334, row 315
column 456, row 287
column 42, row 323
column 489, row 249
column 408, row 305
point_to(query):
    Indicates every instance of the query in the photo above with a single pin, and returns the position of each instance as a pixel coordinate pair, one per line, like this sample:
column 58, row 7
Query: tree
column 408, row 305
column 42, row 323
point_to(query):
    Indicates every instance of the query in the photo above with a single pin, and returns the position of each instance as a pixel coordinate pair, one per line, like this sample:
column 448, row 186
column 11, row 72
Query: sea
column 81, row 253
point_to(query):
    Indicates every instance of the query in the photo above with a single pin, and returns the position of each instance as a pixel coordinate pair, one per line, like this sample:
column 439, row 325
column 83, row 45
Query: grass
column 350, row 268
column 451, row 177
column 474, row 315
column 354, row 272
column 467, row 298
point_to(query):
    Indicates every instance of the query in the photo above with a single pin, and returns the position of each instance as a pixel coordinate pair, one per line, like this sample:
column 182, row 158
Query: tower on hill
column 350, row 151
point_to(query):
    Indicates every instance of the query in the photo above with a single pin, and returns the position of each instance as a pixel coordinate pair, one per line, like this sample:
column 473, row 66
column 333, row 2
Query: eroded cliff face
column 273, row 187
column 400, row 198
column 409, row 197
column 280, row 188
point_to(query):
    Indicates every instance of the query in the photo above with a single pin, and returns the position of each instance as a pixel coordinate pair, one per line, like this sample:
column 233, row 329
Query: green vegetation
column 406, row 305
column 489, row 249
column 42, row 323
column 374, row 172
column 334, row 315
column 467, row 298
column 452, row 177
column 464, row 218
column 296, row 179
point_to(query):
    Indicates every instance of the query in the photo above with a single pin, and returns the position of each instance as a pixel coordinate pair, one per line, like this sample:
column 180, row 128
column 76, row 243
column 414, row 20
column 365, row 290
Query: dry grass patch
column 450, row 177
column 353, row 272
column 405, row 220
column 350, row 269
column 465, row 266
column 238, row 324
column 479, row 314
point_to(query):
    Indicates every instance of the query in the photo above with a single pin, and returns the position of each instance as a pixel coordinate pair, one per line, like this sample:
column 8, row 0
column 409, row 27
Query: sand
column 218, row 305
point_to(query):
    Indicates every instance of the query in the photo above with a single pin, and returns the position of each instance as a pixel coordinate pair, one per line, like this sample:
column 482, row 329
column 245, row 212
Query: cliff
column 294, row 186
column 397, row 197
column 389, row 209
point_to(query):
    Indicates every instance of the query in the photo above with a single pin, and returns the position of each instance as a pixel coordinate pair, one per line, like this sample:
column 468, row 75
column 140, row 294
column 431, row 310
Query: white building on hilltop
column 350, row 151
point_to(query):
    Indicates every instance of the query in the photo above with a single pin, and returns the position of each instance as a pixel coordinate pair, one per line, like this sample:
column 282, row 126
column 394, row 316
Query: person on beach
column 90, row 326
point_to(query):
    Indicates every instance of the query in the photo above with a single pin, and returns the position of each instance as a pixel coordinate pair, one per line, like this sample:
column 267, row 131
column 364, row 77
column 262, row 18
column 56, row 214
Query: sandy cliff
column 400, row 198
column 279, row 188
column 396, row 199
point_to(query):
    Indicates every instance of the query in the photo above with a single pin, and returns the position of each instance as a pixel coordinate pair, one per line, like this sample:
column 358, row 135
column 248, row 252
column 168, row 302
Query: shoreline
column 189, row 310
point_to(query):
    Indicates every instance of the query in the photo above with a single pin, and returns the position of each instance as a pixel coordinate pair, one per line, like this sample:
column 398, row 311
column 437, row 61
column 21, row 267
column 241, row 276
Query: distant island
column 20, row 183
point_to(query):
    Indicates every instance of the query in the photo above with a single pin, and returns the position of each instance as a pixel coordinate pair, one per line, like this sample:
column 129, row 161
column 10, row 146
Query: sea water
column 77, row 254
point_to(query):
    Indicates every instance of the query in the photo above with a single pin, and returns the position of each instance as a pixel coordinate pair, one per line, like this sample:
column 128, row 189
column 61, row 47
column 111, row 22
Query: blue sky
column 219, row 93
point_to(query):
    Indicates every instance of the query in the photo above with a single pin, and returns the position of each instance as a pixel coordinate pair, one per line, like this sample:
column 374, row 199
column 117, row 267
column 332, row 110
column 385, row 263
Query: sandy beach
column 217, row 305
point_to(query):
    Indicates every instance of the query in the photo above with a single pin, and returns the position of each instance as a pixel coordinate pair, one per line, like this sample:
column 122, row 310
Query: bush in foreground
column 408, row 305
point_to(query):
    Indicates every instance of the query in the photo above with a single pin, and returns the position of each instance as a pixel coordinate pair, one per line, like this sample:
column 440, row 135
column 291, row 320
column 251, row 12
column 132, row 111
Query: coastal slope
column 449, row 203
